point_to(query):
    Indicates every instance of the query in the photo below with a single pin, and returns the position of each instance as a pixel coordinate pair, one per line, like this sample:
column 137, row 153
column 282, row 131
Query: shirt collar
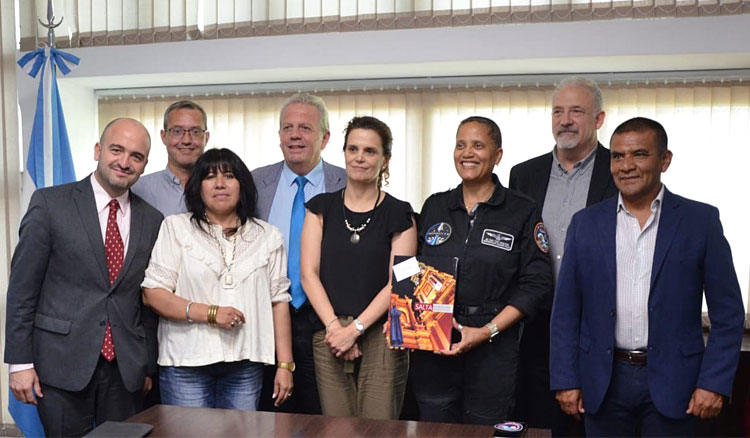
column 655, row 204
column 314, row 177
column 456, row 200
column 171, row 177
column 588, row 160
column 102, row 198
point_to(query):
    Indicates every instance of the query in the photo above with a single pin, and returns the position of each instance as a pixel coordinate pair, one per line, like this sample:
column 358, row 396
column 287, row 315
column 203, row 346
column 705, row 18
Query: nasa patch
column 438, row 234
column 541, row 237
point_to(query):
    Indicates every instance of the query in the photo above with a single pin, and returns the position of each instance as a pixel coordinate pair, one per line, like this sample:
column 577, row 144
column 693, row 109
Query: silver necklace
column 228, row 280
column 354, row 239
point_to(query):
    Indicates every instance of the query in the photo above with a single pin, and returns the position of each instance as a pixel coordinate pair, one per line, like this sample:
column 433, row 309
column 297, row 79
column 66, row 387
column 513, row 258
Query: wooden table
column 199, row 422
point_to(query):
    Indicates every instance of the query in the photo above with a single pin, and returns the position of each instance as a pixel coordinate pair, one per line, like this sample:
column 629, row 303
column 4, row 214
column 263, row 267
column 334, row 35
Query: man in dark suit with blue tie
column 627, row 348
column 283, row 188
column 78, row 338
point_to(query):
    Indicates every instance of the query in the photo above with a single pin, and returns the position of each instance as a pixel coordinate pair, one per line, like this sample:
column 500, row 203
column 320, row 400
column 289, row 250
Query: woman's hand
column 228, row 318
column 352, row 353
column 282, row 386
column 341, row 339
column 470, row 338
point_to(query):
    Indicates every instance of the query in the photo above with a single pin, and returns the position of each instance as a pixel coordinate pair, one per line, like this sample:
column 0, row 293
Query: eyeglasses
column 178, row 132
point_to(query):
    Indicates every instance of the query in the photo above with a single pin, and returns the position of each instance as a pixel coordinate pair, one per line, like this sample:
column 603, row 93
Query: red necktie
column 114, row 249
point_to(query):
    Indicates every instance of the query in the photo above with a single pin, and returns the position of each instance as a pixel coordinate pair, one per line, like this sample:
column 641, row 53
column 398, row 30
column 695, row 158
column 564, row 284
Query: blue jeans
column 222, row 385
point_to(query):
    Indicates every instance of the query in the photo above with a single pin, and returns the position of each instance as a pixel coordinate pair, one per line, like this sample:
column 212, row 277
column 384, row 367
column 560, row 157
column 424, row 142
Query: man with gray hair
column 283, row 188
column 574, row 175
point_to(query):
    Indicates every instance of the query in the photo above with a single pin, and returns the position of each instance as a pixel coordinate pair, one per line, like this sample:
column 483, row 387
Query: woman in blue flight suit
column 503, row 275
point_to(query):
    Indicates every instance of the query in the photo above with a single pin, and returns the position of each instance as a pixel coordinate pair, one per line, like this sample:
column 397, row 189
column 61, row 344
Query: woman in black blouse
column 347, row 248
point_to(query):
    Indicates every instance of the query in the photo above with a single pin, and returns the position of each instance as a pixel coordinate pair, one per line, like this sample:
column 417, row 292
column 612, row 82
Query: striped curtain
column 114, row 22
column 708, row 127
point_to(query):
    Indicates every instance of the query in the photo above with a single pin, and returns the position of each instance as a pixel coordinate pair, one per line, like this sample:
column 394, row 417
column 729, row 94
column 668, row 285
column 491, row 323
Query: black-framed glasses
column 178, row 132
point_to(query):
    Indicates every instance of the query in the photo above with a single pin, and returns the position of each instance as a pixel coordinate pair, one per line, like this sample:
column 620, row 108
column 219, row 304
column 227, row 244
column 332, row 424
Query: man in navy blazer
column 303, row 134
column 627, row 347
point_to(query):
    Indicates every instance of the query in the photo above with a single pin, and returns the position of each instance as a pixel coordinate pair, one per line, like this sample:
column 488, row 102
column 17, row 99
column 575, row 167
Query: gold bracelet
column 211, row 317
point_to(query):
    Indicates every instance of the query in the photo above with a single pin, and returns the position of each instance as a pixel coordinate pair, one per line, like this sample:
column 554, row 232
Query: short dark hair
column 383, row 131
column 642, row 124
column 185, row 104
column 220, row 160
column 495, row 134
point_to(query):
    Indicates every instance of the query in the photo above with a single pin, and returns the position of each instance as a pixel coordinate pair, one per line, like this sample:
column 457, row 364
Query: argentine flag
column 49, row 162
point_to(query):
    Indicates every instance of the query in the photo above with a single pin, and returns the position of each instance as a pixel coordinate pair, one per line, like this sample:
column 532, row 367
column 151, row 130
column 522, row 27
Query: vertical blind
column 708, row 128
column 106, row 22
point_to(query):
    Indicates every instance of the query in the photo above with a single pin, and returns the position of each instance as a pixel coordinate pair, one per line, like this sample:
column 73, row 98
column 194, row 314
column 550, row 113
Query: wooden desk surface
column 198, row 422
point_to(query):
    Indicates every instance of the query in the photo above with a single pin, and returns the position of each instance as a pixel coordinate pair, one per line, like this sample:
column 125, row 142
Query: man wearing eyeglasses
column 185, row 137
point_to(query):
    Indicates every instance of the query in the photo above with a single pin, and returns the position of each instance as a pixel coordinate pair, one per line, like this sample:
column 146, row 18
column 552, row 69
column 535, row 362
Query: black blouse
column 353, row 274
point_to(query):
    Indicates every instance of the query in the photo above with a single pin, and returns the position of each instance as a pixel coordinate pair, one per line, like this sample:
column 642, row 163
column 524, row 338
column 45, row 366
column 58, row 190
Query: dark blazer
column 691, row 256
column 266, row 180
column 532, row 177
column 59, row 295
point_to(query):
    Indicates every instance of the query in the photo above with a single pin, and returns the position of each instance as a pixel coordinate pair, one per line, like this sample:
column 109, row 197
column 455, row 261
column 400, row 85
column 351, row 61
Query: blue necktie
column 295, row 232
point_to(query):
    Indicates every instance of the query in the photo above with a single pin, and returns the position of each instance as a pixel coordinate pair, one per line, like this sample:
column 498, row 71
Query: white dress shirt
column 635, row 260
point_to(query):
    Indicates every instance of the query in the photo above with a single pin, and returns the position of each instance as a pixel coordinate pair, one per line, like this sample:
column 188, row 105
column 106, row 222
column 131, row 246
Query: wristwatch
column 287, row 366
column 492, row 327
column 359, row 326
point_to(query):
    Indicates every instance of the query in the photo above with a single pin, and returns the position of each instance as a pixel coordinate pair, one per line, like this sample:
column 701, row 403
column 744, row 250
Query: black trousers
column 477, row 387
column 75, row 413
column 304, row 399
column 536, row 404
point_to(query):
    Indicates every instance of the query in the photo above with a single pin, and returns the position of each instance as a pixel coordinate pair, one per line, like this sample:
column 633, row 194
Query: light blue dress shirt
column 162, row 190
column 281, row 208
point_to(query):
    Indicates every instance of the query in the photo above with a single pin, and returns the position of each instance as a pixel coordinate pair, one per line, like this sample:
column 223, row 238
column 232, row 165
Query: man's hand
column 571, row 402
column 147, row 385
column 24, row 384
column 705, row 404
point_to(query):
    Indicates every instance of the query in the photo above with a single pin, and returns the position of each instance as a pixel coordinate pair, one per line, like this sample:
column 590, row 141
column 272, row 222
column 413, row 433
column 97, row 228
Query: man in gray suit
column 303, row 133
column 77, row 337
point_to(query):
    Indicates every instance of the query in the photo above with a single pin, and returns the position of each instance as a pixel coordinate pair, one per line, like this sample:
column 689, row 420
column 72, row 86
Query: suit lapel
column 600, row 176
column 267, row 190
column 607, row 230
column 331, row 179
column 84, row 199
column 669, row 222
column 136, row 231
column 539, row 188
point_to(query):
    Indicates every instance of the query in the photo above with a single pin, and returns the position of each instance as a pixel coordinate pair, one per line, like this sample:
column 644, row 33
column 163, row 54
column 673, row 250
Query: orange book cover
column 420, row 314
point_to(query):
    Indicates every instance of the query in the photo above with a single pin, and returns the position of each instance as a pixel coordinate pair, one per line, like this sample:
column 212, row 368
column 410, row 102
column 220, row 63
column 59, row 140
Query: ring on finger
column 232, row 323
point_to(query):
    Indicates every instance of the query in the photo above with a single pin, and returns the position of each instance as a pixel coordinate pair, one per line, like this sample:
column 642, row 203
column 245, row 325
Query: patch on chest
column 498, row 239
column 438, row 234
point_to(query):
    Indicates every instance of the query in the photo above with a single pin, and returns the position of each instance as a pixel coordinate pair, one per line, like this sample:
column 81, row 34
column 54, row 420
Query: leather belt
column 634, row 357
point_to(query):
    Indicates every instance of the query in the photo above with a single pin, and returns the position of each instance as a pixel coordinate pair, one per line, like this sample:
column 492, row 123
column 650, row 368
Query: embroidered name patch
column 438, row 234
column 541, row 237
column 498, row 239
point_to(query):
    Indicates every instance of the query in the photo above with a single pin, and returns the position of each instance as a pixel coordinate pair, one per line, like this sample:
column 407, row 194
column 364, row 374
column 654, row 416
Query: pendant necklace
column 228, row 282
column 354, row 239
